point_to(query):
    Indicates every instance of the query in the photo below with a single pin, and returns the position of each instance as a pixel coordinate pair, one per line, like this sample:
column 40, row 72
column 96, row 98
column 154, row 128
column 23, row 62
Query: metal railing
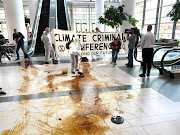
column 35, row 29
column 175, row 61
column 67, row 15
column 165, row 47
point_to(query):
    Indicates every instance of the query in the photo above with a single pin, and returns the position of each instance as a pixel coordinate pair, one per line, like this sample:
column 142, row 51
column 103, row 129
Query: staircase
column 61, row 15
column 43, row 23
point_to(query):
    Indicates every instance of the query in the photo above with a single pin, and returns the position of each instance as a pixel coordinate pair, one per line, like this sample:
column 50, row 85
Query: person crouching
column 74, row 48
column 47, row 40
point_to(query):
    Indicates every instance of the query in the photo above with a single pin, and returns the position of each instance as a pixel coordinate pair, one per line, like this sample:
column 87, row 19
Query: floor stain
column 88, row 118
column 130, row 96
column 19, row 128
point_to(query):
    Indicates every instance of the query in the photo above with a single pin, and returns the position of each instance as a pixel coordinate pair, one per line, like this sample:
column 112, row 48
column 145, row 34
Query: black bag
column 68, row 44
column 84, row 59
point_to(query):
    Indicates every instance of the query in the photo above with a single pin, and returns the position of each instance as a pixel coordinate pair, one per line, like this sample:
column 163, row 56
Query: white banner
column 93, row 43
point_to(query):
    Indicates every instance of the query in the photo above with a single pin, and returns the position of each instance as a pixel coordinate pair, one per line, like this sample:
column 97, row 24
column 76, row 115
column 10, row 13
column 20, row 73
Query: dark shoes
column 55, row 61
column 73, row 72
column 129, row 66
column 142, row 75
column 46, row 62
column 2, row 92
column 77, row 70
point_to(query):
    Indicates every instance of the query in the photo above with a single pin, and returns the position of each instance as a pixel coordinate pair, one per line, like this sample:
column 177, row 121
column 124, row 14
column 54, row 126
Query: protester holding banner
column 74, row 49
column 131, row 46
column 97, row 30
column 47, row 40
column 115, row 46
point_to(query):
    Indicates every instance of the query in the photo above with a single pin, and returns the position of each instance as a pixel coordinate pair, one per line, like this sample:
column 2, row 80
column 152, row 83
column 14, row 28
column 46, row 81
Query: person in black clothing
column 138, row 36
column 2, row 92
column 19, row 38
column 1, row 43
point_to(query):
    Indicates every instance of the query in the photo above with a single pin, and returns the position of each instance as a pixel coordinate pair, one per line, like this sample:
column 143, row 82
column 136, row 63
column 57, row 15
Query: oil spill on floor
column 88, row 116
column 19, row 127
column 78, row 82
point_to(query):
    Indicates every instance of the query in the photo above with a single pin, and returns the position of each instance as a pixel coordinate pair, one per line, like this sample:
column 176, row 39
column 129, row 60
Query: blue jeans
column 130, row 57
column 114, row 54
column 22, row 47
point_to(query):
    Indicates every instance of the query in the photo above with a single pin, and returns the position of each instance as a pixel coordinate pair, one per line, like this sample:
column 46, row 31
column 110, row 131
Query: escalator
column 43, row 23
column 169, row 63
column 165, row 59
column 52, row 14
column 62, row 15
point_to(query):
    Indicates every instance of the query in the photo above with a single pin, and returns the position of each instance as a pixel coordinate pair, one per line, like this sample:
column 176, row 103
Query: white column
column 14, row 15
column 99, row 7
column 130, row 9
column 33, row 4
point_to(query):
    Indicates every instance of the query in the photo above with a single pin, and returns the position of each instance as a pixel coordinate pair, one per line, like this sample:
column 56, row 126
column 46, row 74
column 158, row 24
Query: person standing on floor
column 138, row 36
column 147, row 45
column 47, row 40
column 74, row 49
column 115, row 46
column 131, row 46
column 19, row 38
column 1, row 43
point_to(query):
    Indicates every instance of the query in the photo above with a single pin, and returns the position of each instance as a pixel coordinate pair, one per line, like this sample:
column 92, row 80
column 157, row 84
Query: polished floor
column 41, row 100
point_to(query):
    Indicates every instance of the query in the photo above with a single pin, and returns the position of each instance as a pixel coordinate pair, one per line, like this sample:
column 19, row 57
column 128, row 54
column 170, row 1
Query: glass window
column 151, row 4
column 169, row 2
column 177, row 35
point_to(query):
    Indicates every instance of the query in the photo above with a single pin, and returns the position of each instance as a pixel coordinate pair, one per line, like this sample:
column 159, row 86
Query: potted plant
column 174, row 14
column 115, row 17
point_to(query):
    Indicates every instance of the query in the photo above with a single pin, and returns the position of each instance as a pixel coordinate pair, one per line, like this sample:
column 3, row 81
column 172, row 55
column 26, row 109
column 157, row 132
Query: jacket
column 48, row 39
column 132, row 41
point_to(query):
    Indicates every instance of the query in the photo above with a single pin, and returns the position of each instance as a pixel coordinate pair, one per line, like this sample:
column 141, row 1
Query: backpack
column 68, row 44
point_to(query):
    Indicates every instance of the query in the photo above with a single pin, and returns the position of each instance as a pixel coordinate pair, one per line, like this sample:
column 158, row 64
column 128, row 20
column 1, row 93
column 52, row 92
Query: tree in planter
column 115, row 17
column 174, row 14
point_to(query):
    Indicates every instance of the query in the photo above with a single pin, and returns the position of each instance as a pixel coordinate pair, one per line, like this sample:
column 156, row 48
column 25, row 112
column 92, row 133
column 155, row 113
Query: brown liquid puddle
column 19, row 127
column 130, row 96
column 88, row 118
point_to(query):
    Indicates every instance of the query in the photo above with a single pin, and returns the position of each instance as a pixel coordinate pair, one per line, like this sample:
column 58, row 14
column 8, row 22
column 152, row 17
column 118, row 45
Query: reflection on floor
column 89, row 105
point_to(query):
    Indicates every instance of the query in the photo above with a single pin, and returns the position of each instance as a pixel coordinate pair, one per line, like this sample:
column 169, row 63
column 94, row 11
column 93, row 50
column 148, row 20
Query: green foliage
column 174, row 14
column 133, row 21
column 115, row 17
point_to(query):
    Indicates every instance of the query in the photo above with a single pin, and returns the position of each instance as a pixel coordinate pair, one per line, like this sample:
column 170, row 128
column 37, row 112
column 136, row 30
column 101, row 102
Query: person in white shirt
column 47, row 40
column 74, row 49
column 147, row 45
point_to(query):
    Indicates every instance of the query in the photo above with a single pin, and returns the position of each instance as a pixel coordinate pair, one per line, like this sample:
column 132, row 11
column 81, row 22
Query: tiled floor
column 41, row 100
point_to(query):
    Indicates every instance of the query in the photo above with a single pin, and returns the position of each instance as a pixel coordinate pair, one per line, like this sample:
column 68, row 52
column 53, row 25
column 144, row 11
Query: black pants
column 147, row 54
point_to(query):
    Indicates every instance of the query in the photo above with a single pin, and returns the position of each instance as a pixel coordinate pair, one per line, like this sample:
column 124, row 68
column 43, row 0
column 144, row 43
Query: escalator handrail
column 67, row 15
column 162, row 60
column 135, row 56
column 35, row 28
column 163, row 47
